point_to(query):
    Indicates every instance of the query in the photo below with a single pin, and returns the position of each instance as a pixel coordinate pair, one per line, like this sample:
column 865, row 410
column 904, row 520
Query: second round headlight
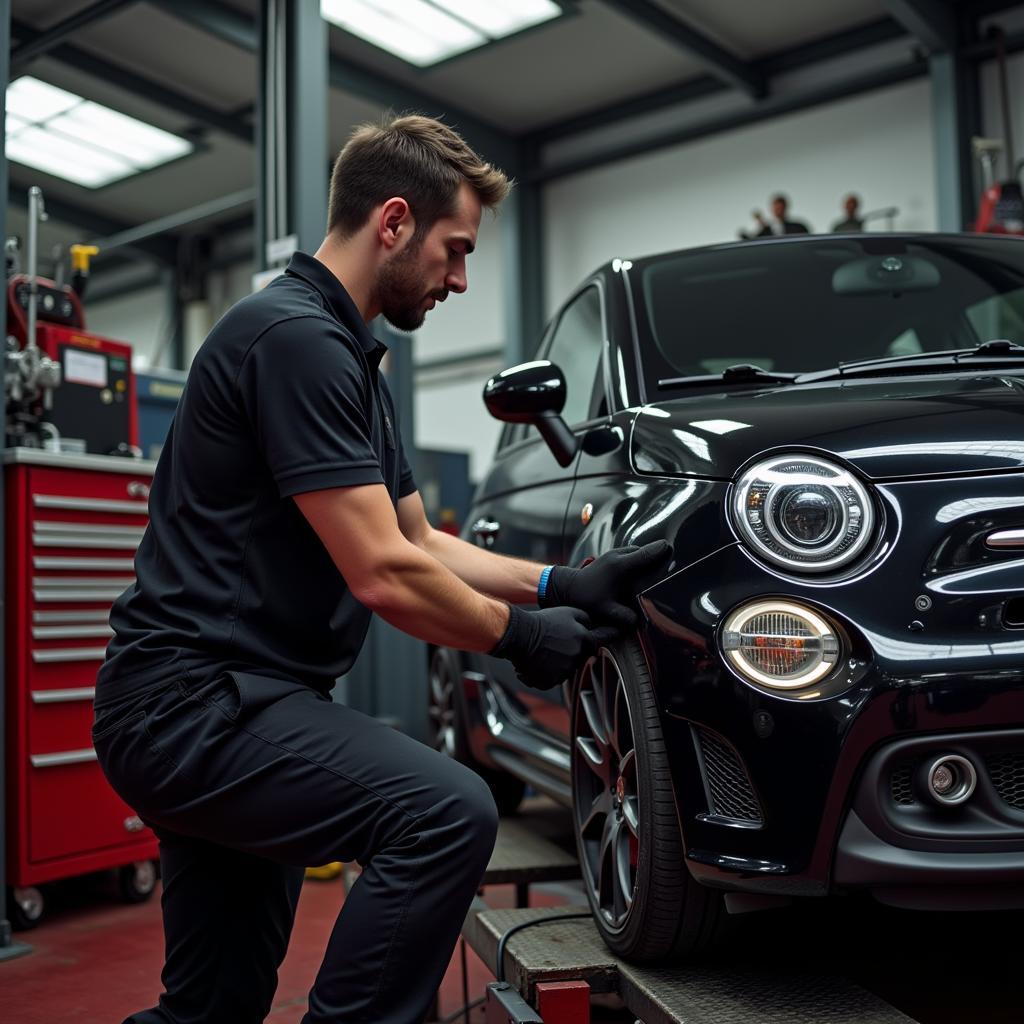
column 803, row 512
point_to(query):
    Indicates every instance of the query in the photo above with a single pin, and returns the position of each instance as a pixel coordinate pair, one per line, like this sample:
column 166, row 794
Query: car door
column 521, row 504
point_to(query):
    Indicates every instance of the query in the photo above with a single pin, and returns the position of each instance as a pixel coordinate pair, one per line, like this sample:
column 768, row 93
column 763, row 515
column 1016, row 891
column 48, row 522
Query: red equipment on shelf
column 95, row 401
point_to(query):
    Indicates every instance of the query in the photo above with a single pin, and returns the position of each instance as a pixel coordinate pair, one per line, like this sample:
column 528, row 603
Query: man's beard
column 401, row 291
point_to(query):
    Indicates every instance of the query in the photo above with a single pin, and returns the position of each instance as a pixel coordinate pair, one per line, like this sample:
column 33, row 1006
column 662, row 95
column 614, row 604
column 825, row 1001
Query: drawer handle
column 111, row 564
column 77, row 617
column 137, row 489
column 64, row 596
column 60, row 696
column 64, row 757
column 93, row 529
column 70, row 654
column 70, row 632
column 138, row 508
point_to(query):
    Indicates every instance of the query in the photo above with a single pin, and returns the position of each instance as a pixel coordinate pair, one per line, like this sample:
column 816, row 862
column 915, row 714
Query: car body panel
column 929, row 649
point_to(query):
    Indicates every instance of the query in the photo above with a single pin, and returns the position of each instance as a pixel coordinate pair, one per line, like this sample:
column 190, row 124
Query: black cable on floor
column 499, row 956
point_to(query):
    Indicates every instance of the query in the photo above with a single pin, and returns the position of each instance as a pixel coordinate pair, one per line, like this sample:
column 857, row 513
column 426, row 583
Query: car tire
column 625, row 819
column 447, row 723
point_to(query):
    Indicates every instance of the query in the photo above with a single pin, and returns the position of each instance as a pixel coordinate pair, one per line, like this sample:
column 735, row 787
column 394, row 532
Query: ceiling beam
column 931, row 22
column 235, row 27
column 24, row 53
column 862, row 37
column 161, row 95
column 718, row 61
column 164, row 250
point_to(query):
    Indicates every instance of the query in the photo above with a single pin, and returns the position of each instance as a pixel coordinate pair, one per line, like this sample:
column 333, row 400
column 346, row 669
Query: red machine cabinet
column 73, row 524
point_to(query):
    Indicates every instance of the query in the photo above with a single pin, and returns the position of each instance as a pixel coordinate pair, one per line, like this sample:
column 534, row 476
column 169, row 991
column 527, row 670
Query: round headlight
column 803, row 513
column 780, row 644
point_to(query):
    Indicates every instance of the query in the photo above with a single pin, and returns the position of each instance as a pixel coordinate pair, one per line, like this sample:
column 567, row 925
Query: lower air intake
column 728, row 784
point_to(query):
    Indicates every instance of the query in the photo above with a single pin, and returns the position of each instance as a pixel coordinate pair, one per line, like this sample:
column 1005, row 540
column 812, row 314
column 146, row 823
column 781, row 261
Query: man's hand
column 546, row 647
column 606, row 588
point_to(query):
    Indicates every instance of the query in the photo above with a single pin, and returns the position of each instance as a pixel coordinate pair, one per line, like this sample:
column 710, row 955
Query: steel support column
column 523, row 250
column 291, row 129
column 951, row 116
column 8, row 947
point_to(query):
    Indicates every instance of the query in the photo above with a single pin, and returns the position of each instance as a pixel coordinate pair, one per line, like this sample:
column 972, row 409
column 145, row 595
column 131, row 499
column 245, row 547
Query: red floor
column 94, row 962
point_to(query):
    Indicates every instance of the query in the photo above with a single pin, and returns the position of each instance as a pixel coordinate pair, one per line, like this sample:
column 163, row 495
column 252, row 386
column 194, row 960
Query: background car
column 827, row 689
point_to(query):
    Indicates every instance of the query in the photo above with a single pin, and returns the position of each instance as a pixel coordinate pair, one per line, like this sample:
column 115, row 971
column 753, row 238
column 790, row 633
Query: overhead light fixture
column 63, row 134
column 424, row 32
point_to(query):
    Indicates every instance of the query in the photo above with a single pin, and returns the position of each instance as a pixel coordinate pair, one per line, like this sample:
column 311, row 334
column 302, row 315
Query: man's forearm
column 418, row 594
column 509, row 579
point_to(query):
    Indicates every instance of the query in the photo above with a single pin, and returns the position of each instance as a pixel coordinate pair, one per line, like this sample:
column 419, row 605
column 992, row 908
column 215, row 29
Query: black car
column 826, row 692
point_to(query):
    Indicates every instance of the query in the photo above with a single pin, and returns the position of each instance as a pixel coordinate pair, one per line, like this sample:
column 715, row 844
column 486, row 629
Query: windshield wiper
column 989, row 353
column 741, row 373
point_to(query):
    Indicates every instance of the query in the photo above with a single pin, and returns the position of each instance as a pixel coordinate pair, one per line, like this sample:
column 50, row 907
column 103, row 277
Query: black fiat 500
column 826, row 692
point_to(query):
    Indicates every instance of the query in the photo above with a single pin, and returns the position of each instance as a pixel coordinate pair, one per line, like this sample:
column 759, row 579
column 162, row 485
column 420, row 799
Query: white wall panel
column 878, row 144
column 474, row 320
column 141, row 319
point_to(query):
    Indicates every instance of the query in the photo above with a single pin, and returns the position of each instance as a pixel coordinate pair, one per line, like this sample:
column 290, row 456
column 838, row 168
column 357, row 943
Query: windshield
column 794, row 307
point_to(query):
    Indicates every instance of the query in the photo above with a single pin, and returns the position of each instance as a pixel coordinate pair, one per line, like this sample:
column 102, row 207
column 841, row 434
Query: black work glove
column 546, row 647
column 606, row 588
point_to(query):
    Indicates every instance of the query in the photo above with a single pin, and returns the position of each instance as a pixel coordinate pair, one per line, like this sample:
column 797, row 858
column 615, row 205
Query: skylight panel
column 499, row 18
column 424, row 32
column 63, row 134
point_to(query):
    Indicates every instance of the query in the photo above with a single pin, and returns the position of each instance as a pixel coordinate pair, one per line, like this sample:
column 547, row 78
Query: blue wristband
column 542, row 583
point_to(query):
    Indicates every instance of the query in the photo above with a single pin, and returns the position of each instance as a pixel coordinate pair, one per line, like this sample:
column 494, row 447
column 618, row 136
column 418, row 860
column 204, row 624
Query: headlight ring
column 803, row 513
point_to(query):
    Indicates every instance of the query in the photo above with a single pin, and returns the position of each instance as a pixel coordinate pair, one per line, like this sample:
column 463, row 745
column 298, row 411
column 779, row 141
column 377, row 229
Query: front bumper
column 808, row 763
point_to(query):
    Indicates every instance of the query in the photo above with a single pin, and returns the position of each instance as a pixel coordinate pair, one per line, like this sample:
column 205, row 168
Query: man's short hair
column 415, row 157
column 781, row 197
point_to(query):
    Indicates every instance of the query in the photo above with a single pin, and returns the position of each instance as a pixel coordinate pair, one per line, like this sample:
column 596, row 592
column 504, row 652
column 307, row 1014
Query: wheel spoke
column 593, row 757
column 606, row 885
column 600, row 808
column 631, row 815
column 608, row 694
column 623, row 875
column 593, row 716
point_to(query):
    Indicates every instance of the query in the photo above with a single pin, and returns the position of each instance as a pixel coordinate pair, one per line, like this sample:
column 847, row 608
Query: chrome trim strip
column 60, row 696
column 89, row 504
column 98, row 529
column 113, row 564
column 64, row 582
column 69, row 654
column 64, row 757
column 70, row 632
column 1005, row 539
column 63, row 596
column 77, row 615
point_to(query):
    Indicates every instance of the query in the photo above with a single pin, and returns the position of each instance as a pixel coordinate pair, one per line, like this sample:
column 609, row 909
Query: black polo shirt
column 284, row 396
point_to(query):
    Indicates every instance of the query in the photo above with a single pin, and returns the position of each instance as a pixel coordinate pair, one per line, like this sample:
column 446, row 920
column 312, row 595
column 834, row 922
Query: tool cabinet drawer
column 56, row 493
column 60, row 720
column 75, row 810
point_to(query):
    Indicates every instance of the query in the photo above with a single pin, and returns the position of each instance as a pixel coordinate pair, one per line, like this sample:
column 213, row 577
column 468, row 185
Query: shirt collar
column 339, row 302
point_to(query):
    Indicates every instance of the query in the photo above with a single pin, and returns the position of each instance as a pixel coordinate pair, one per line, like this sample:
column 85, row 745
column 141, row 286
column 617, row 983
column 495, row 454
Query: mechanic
column 283, row 513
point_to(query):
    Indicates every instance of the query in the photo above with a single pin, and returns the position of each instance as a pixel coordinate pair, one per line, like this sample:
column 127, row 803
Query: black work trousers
column 246, row 780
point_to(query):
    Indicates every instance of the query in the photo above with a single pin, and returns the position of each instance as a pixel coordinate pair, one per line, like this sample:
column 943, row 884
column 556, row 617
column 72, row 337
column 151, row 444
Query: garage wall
column 878, row 144
column 142, row 319
column 992, row 117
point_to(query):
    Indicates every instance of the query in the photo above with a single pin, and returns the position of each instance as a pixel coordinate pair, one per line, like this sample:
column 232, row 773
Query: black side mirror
column 534, row 393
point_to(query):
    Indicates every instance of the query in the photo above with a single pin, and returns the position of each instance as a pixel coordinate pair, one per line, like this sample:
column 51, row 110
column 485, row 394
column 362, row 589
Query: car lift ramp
column 553, row 968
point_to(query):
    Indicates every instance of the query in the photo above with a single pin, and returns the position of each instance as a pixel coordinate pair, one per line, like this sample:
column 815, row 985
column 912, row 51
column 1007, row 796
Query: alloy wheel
column 442, row 705
column 606, row 800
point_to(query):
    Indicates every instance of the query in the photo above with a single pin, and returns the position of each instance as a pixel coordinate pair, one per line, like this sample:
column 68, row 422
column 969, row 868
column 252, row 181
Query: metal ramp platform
column 540, row 960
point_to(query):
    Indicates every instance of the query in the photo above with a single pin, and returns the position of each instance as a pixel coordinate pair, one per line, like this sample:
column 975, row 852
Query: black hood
column 893, row 429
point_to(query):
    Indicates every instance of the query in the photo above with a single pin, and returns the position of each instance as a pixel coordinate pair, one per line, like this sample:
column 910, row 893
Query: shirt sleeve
column 307, row 395
column 406, row 483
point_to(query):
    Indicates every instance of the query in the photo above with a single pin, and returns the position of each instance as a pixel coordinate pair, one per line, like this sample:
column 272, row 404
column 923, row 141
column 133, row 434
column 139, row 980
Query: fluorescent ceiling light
column 65, row 135
column 424, row 32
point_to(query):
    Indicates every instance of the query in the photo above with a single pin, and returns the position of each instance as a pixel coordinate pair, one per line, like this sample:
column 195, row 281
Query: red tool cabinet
column 73, row 523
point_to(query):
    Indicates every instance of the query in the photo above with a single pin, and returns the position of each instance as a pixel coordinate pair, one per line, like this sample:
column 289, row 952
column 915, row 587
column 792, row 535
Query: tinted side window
column 576, row 348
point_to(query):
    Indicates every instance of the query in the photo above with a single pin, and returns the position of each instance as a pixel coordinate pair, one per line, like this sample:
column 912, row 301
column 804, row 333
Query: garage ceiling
column 603, row 52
